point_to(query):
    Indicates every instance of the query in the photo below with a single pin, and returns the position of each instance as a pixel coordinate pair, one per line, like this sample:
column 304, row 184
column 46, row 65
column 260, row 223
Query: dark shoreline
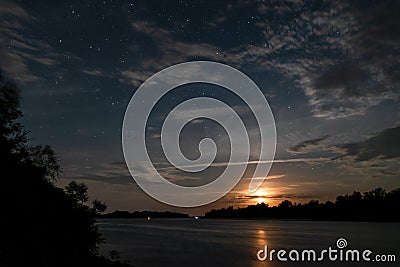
column 248, row 219
column 376, row 205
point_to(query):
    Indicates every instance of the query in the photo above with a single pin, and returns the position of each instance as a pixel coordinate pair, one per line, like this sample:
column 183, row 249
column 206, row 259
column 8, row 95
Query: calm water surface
column 190, row 242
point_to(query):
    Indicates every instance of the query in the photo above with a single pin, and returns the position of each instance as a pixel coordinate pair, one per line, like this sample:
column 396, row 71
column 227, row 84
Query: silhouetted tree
column 77, row 191
column 41, row 224
column 98, row 206
column 286, row 204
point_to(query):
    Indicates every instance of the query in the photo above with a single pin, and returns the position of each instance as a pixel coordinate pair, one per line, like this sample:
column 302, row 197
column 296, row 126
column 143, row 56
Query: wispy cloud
column 336, row 54
column 18, row 50
column 384, row 145
column 172, row 51
column 255, row 162
column 94, row 72
column 375, row 154
column 332, row 51
column 307, row 146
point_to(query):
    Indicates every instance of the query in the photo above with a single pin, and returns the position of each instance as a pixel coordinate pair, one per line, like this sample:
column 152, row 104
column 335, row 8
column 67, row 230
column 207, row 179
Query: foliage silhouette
column 375, row 205
column 99, row 207
column 41, row 224
column 78, row 192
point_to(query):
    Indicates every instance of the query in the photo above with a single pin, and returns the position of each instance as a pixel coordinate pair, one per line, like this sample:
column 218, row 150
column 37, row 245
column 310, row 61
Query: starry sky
column 330, row 71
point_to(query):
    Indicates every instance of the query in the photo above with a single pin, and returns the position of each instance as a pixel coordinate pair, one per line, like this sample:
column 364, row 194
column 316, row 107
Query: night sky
column 330, row 71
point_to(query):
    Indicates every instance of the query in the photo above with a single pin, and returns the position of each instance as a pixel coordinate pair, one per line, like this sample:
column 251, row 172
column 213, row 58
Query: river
column 211, row 242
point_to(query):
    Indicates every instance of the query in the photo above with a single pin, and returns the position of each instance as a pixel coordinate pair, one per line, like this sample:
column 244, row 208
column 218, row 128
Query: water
column 190, row 242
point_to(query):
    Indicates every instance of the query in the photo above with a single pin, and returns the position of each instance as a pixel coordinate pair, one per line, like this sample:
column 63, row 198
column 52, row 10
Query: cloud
column 215, row 22
column 113, row 173
column 18, row 50
column 307, row 146
column 94, row 72
column 254, row 162
column 11, row 8
column 12, row 45
column 275, row 196
column 269, row 177
column 384, row 145
column 348, row 73
column 377, row 154
column 118, row 173
column 344, row 55
column 156, row 136
column 334, row 51
column 134, row 77
column 169, row 51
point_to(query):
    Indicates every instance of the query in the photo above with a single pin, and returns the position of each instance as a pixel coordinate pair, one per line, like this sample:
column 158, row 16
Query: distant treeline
column 144, row 214
column 375, row 205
